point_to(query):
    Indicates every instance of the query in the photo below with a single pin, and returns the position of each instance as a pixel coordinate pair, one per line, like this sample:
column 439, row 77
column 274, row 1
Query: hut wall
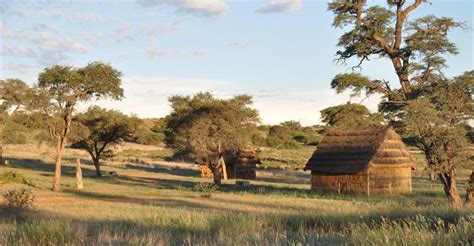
column 389, row 180
column 245, row 168
column 246, row 164
column 343, row 183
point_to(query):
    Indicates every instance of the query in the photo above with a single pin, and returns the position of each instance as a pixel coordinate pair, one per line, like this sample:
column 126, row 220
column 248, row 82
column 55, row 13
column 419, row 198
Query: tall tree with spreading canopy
column 416, row 50
column 63, row 88
column 207, row 127
column 98, row 129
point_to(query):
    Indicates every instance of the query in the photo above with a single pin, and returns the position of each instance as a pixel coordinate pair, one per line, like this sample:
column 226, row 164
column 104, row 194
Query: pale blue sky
column 280, row 51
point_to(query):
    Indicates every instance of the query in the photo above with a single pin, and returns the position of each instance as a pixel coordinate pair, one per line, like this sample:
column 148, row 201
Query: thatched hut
column 368, row 160
column 240, row 165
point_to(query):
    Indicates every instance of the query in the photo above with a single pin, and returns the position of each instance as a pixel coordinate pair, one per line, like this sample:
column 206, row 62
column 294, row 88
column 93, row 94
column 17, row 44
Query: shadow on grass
column 189, row 184
column 47, row 168
column 156, row 168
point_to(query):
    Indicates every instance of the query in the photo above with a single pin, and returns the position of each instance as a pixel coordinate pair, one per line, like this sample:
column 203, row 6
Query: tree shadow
column 158, row 183
column 46, row 167
column 156, row 168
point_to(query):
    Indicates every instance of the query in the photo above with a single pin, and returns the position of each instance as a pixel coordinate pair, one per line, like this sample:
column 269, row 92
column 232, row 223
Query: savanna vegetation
column 141, row 186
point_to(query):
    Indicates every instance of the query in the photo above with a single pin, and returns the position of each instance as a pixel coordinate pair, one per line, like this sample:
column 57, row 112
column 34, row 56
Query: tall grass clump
column 40, row 232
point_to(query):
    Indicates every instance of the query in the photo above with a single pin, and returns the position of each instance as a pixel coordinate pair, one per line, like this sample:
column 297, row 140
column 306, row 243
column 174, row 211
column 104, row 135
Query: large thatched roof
column 348, row 151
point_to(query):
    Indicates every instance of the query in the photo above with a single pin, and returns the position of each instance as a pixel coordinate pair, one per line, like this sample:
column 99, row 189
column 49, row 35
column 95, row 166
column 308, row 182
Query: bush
column 148, row 137
column 206, row 188
column 15, row 133
column 13, row 177
column 19, row 199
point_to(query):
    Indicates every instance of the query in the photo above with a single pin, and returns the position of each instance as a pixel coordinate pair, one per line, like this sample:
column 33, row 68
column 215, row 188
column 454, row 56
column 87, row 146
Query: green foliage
column 60, row 88
column 281, row 136
column 15, row 133
column 207, row 126
column 154, row 135
column 14, row 93
column 437, row 122
column 350, row 115
column 291, row 135
column 19, row 199
column 13, row 177
column 98, row 129
column 70, row 85
column 428, row 41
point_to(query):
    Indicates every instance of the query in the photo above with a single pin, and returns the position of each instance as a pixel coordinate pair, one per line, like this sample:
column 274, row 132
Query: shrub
column 206, row 188
column 13, row 177
column 15, row 133
column 19, row 199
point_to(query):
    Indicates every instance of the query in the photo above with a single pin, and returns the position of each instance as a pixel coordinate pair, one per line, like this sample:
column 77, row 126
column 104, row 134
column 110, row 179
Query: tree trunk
column 2, row 126
column 62, row 139
column 97, row 167
column 470, row 190
column 57, row 170
column 449, row 182
column 432, row 175
column 216, row 172
column 224, row 167
column 80, row 184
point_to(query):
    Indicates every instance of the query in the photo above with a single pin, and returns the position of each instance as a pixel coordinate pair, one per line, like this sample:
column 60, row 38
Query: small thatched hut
column 240, row 165
column 368, row 160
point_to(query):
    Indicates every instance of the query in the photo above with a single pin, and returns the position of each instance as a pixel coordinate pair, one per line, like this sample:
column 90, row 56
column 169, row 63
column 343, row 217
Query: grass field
column 152, row 202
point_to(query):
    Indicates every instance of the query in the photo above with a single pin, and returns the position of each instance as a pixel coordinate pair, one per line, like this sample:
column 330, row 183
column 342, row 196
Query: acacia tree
column 208, row 127
column 415, row 49
column 350, row 115
column 62, row 88
column 98, row 129
column 438, row 124
column 14, row 95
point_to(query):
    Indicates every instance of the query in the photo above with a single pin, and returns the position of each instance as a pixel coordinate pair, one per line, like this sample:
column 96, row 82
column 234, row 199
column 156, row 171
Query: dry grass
column 160, row 203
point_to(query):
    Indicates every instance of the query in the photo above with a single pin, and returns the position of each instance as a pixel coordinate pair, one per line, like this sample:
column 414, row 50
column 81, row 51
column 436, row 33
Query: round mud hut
column 361, row 160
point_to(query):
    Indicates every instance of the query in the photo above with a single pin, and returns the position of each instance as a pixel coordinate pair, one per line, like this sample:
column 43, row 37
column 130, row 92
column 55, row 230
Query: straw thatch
column 367, row 160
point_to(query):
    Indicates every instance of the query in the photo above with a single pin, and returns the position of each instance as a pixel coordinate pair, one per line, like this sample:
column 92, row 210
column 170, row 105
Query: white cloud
column 18, row 51
column 153, row 53
column 279, row 6
column 132, row 31
column 73, row 17
column 20, row 69
column 148, row 97
column 44, row 44
column 303, row 106
column 196, row 7
column 240, row 44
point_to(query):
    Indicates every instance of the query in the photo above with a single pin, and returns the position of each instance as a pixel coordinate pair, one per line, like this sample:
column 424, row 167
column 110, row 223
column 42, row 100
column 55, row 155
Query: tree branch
column 412, row 7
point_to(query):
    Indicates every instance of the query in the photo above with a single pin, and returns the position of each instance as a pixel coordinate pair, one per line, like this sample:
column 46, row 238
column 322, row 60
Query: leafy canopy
column 207, row 126
column 98, row 129
column 67, row 85
column 416, row 48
